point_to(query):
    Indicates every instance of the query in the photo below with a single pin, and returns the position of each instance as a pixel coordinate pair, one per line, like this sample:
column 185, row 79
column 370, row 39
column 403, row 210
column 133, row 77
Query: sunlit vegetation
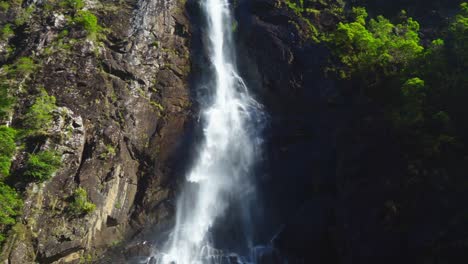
column 42, row 165
column 80, row 205
column 25, row 65
column 72, row 4
column 375, row 46
column 88, row 21
column 11, row 205
column 7, row 149
column 39, row 117
column 6, row 100
column 7, row 32
column 310, row 11
column 421, row 84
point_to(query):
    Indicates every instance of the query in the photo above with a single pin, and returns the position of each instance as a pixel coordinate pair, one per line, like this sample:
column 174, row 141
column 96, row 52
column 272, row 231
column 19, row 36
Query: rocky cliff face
column 332, row 171
column 123, row 104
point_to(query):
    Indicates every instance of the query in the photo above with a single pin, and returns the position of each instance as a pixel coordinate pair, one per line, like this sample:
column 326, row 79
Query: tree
column 42, row 166
column 10, row 204
column 7, row 149
column 377, row 46
column 459, row 34
column 411, row 112
column 39, row 116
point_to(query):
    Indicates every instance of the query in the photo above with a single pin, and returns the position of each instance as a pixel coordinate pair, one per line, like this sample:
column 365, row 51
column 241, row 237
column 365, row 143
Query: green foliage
column 88, row 21
column 39, row 116
column 23, row 67
column 63, row 34
column 296, row 7
column 459, row 32
column 411, row 111
column 444, row 70
column 43, row 165
column 157, row 106
column 378, row 46
column 7, row 149
column 428, row 112
column 7, row 32
column 24, row 16
column 311, row 10
column 10, row 204
column 88, row 258
column 4, row 6
column 73, row 4
column 80, row 204
column 109, row 152
column 6, row 100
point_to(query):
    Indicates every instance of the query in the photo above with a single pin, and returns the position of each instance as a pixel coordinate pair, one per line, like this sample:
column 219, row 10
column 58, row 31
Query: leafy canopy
column 459, row 32
column 7, row 149
column 411, row 111
column 42, row 166
column 39, row 116
column 375, row 46
column 10, row 204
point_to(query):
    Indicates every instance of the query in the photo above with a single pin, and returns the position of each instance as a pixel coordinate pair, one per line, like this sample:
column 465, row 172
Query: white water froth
column 222, row 170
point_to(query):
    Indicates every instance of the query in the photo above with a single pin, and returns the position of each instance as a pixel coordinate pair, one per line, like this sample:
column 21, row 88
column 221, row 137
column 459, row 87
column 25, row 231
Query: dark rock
column 330, row 168
column 141, row 249
column 53, row 251
column 117, row 126
column 152, row 260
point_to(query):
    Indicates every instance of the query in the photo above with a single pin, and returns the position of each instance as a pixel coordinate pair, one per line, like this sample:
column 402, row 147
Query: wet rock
column 152, row 261
column 267, row 255
column 141, row 249
column 333, row 168
column 116, row 128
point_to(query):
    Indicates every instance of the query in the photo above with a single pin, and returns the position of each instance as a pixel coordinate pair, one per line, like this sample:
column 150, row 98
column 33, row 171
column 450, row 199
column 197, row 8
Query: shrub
column 43, row 165
column 7, row 31
column 7, row 149
column 24, row 16
column 10, row 204
column 6, row 101
column 4, row 6
column 39, row 116
column 80, row 204
column 108, row 153
column 73, row 4
column 376, row 46
column 63, row 34
column 24, row 66
column 88, row 21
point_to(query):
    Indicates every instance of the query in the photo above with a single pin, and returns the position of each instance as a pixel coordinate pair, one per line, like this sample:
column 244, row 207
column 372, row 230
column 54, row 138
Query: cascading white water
column 222, row 171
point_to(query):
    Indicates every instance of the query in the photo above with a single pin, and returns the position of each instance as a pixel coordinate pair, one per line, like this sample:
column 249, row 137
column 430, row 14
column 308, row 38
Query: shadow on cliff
column 331, row 170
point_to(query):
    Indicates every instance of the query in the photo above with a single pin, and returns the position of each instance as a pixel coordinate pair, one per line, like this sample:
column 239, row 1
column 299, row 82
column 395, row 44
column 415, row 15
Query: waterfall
column 222, row 172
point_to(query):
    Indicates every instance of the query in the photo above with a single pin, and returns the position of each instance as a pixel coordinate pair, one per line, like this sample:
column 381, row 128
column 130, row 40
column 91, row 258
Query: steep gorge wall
column 123, row 106
column 332, row 171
